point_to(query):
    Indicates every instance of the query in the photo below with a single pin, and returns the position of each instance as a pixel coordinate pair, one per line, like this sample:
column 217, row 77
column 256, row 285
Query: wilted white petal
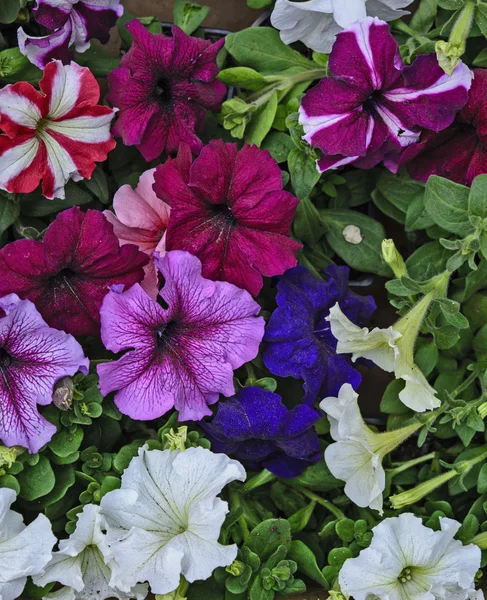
column 23, row 550
column 166, row 518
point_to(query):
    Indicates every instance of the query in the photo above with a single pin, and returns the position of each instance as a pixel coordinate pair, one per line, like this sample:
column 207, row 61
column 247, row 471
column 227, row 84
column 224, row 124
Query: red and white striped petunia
column 53, row 135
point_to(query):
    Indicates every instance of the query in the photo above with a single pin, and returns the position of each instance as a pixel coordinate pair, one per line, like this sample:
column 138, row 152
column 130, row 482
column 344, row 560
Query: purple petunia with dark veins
column 73, row 24
column 257, row 429
column 298, row 341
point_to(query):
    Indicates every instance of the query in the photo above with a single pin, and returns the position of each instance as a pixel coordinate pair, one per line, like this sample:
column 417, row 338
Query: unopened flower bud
column 393, row 258
column 62, row 395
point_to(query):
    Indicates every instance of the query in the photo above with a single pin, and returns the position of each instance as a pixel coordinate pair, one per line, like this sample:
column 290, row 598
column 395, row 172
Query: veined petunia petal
column 42, row 50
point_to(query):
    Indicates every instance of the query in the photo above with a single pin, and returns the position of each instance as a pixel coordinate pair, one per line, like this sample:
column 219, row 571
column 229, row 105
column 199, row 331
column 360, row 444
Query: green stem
column 319, row 500
column 463, row 386
column 258, row 480
column 236, row 504
column 403, row 28
column 411, row 463
column 262, row 96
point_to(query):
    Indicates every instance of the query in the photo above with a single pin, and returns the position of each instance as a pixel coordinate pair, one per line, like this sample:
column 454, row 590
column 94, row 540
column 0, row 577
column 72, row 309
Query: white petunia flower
column 84, row 563
column 357, row 455
column 165, row 520
column 391, row 349
column 24, row 550
column 407, row 560
column 317, row 22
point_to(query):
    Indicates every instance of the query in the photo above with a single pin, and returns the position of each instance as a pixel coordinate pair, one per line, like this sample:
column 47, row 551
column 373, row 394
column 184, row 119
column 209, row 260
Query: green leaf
column 481, row 17
column 451, row 312
column 35, row 205
column 416, row 215
column 261, row 121
column 400, row 190
column 447, row 204
column 261, row 48
column 258, row 4
column 243, row 77
column 279, row 145
column 482, row 480
column 387, row 207
column 65, row 443
column 426, row 357
column 390, row 403
column 424, row 16
column 308, row 226
column 427, row 261
column 300, row 519
column 36, row 481
column 11, row 62
column 9, row 481
column 98, row 60
column 268, row 536
column 481, row 59
column 477, row 198
column 257, row 591
column 98, row 185
column 451, row 4
column 316, row 477
column 345, row 529
column 65, row 479
column 303, row 172
column 306, row 561
column 206, row 590
column 365, row 256
column 9, row 9
column 9, row 211
column 189, row 15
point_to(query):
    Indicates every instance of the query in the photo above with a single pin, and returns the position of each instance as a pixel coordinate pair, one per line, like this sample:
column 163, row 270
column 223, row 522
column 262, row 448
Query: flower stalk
column 449, row 53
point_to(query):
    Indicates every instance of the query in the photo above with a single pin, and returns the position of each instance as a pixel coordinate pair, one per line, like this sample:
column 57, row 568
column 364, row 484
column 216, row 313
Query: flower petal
column 42, row 50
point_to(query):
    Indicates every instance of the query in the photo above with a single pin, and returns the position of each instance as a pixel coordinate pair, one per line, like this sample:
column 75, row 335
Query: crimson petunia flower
column 228, row 208
column 68, row 274
column 73, row 23
column 53, row 135
column 183, row 355
column 33, row 357
column 459, row 152
column 372, row 105
column 163, row 88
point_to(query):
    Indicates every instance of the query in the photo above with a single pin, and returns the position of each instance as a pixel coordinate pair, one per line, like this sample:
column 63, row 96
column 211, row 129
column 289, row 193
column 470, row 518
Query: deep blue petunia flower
column 256, row 428
column 298, row 341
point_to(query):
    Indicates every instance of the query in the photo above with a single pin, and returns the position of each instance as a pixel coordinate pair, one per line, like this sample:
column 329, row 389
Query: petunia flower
column 181, row 356
column 458, row 153
column 73, row 23
column 357, row 455
column 298, row 341
column 256, row 428
column 316, row 23
column 165, row 520
column 408, row 560
column 163, row 88
column 228, row 208
column 391, row 349
column 372, row 106
column 84, row 563
column 33, row 357
column 141, row 219
column 53, row 135
column 68, row 274
column 24, row 550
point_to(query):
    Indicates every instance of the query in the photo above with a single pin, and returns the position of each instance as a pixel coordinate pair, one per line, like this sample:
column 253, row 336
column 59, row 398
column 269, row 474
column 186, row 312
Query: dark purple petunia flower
column 33, row 357
column 68, row 274
column 372, row 105
column 163, row 88
column 459, row 152
column 256, row 428
column 298, row 341
column 73, row 23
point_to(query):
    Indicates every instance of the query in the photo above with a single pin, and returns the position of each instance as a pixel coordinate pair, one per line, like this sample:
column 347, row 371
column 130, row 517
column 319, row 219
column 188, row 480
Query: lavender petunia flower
column 298, row 341
column 33, row 357
column 73, row 23
column 182, row 356
column 256, row 428
column 372, row 106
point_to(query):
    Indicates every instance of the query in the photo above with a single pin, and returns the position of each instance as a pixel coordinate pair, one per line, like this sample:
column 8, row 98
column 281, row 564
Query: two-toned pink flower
column 372, row 105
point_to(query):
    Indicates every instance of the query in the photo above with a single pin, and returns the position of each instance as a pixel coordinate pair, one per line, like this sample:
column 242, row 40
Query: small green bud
column 176, row 440
column 236, row 568
column 8, row 456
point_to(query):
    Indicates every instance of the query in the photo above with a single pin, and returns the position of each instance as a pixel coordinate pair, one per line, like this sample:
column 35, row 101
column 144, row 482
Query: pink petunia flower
column 141, row 218
column 163, row 88
column 228, row 208
column 33, row 357
column 68, row 274
column 459, row 152
column 372, row 106
column 182, row 356
column 73, row 23
column 54, row 135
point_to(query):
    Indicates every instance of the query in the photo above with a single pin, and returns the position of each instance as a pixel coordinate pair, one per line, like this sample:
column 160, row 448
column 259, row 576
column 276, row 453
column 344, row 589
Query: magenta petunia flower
column 181, row 356
column 141, row 218
column 459, row 152
column 163, row 88
column 73, row 23
column 54, row 135
column 33, row 357
column 68, row 274
column 228, row 208
column 372, row 105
